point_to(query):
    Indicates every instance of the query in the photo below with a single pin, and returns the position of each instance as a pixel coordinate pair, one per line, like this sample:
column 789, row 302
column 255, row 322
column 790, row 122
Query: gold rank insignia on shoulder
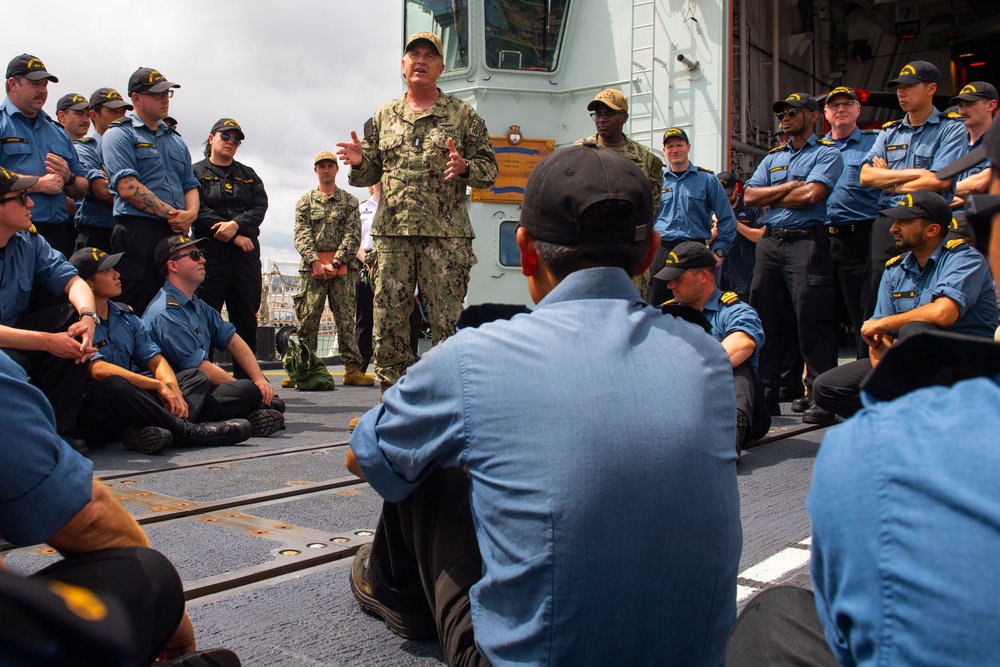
column 86, row 140
column 886, row 126
column 776, row 149
column 729, row 298
column 124, row 306
column 171, row 302
column 894, row 260
column 32, row 229
column 954, row 115
column 667, row 303
column 707, row 171
column 826, row 142
column 870, row 131
column 954, row 243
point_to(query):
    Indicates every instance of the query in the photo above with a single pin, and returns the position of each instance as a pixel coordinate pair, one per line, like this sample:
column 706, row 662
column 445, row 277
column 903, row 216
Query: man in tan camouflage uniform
column 610, row 111
column 327, row 235
column 425, row 148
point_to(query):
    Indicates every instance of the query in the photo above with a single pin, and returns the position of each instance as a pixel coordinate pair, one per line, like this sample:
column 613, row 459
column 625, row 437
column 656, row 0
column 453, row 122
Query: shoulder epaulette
column 32, row 229
column 954, row 243
column 667, row 303
column 826, row 142
column 121, row 121
column 85, row 140
column 124, row 306
column 173, row 302
column 886, row 126
column 729, row 298
column 894, row 260
column 953, row 115
column 708, row 171
column 870, row 131
column 776, row 149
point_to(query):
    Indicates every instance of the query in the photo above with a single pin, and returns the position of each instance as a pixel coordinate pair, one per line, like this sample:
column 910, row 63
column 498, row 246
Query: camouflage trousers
column 641, row 283
column 309, row 302
column 440, row 266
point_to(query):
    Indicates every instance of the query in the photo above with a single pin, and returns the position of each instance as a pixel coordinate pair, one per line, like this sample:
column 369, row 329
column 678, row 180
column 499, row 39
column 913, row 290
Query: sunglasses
column 235, row 141
column 791, row 113
column 23, row 197
column 196, row 255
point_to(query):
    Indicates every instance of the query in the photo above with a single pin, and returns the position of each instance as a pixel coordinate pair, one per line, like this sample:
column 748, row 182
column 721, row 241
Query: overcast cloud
column 298, row 75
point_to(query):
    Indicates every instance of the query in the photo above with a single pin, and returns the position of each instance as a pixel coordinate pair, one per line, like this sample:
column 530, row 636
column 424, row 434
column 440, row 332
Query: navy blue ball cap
column 684, row 256
column 11, row 182
column 170, row 245
column 798, row 101
column 89, row 261
column 916, row 72
column 30, row 67
column 929, row 205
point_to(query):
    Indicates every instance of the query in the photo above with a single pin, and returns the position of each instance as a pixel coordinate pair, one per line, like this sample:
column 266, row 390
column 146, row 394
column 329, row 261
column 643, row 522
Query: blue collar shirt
column 28, row 260
column 92, row 212
column 960, row 274
column 122, row 340
column 24, row 146
column 850, row 202
column 159, row 159
column 553, row 468
column 737, row 316
column 933, row 146
column 815, row 162
column 688, row 201
column 185, row 329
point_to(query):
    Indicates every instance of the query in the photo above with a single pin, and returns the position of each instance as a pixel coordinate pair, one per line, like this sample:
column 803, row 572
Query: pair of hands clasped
column 226, row 231
column 349, row 152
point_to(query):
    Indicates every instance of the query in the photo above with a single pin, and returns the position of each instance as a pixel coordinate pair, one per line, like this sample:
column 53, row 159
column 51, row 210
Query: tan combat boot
column 352, row 376
column 287, row 383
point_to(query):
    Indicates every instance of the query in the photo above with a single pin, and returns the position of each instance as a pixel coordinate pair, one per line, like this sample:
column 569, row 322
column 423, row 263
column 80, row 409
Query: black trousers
column 231, row 400
column 881, row 250
column 94, row 237
column 794, row 275
column 137, row 236
column 850, row 252
column 143, row 583
column 113, row 404
column 61, row 236
column 750, row 400
column 779, row 626
column 61, row 380
column 425, row 558
column 234, row 280
column 658, row 292
column 364, row 322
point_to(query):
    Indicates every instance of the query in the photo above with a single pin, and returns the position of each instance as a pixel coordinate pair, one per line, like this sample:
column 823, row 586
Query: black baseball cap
column 686, row 255
column 989, row 150
column 89, row 261
column 675, row 132
column 73, row 101
column 977, row 90
column 563, row 185
column 11, row 182
column 915, row 72
column 922, row 204
column 30, row 67
column 728, row 180
column 843, row 90
column 108, row 97
column 797, row 100
column 148, row 80
column 227, row 125
column 166, row 248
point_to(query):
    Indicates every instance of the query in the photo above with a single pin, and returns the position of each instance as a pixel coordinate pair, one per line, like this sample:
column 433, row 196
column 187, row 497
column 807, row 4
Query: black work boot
column 229, row 432
column 265, row 421
column 147, row 440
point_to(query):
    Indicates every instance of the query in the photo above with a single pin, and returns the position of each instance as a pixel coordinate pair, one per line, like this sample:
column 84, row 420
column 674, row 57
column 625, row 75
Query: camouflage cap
column 74, row 101
column 427, row 37
column 611, row 98
column 148, row 80
column 108, row 97
column 30, row 67
column 227, row 125
column 9, row 181
column 324, row 155
column 565, row 184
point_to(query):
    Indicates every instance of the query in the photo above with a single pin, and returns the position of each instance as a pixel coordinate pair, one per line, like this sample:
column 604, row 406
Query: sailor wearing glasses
column 793, row 272
column 156, row 192
column 233, row 204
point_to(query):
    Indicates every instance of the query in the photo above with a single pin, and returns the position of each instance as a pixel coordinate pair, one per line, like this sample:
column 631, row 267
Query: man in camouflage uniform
column 327, row 235
column 610, row 111
column 425, row 148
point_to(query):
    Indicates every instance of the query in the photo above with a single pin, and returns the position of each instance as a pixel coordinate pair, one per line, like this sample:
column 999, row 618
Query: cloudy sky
column 297, row 75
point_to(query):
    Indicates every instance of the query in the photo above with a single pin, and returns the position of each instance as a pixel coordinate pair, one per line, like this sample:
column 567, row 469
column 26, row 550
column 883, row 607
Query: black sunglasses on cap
column 196, row 255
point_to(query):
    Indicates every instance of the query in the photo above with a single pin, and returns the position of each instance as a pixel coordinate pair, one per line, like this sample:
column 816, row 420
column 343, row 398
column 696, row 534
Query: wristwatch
column 335, row 263
column 92, row 315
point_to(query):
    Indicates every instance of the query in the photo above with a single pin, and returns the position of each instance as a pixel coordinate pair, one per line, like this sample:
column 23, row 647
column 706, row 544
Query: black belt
column 834, row 230
column 779, row 233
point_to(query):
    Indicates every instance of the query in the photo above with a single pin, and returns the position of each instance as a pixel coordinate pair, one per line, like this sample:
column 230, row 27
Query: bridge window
column 510, row 255
column 524, row 34
column 449, row 20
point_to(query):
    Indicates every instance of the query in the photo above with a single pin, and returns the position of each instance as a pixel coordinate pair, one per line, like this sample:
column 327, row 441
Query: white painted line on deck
column 756, row 578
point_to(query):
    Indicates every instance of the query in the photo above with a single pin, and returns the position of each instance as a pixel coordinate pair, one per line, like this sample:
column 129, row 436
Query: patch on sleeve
column 478, row 128
column 369, row 130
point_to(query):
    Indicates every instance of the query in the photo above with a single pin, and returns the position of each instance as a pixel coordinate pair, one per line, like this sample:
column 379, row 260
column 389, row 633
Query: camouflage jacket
column 327, row 222
column 651, row 165
column 408, row 153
